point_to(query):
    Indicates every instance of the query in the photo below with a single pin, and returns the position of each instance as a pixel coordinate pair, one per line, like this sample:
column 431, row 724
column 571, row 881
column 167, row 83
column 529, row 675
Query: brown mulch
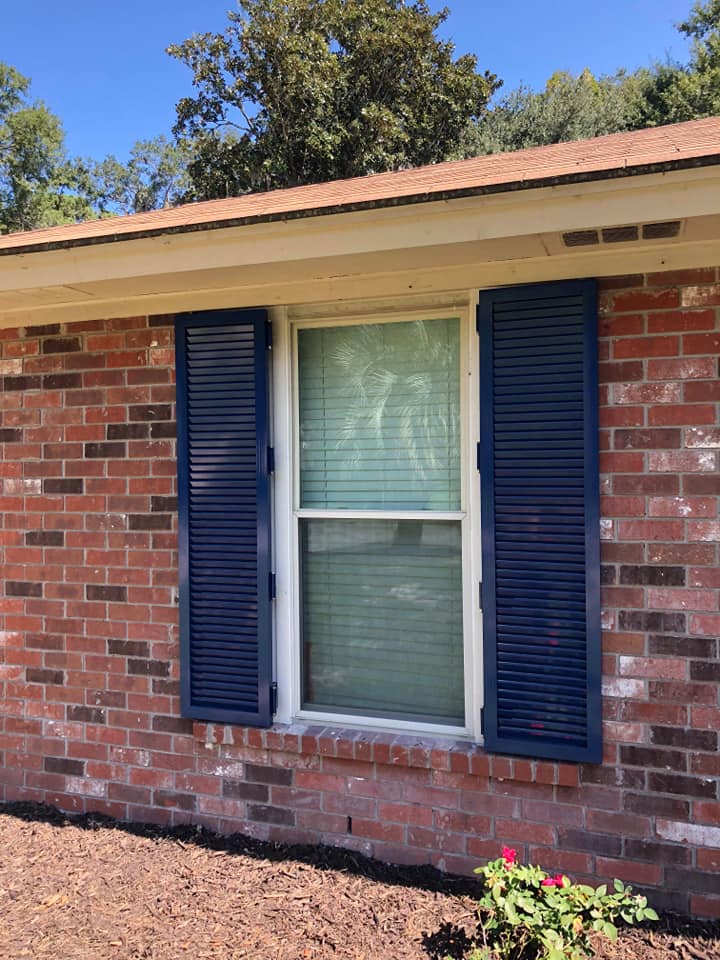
column 88, row 888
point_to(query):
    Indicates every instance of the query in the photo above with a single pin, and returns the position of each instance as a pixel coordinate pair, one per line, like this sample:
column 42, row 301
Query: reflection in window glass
column 382, row 618
column 380, row 416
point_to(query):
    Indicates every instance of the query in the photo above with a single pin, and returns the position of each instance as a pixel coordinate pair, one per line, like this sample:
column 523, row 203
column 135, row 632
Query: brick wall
column 88, row 662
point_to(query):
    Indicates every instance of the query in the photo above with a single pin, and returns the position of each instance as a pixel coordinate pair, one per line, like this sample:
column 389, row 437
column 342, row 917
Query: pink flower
column 509, row 856
column 556, row 881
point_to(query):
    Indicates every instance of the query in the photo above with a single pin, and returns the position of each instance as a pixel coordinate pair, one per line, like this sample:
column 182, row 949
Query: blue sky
column 102, row 67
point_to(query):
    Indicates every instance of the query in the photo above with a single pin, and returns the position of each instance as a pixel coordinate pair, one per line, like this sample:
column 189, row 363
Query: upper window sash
column 378, row 416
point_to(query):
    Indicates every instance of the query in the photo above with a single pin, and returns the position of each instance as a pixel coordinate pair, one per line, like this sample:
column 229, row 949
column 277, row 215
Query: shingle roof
column 679, row 145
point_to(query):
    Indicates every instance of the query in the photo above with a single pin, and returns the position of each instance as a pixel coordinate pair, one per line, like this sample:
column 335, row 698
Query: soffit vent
column 656, row 231
column 622, row 234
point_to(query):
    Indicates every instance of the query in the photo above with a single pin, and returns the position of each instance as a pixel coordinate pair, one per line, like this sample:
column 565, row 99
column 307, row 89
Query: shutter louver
column 540, row 520
column 224, row 517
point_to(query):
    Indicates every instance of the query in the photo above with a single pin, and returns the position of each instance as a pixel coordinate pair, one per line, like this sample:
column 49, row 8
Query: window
column 379, row 514
column 379, row 511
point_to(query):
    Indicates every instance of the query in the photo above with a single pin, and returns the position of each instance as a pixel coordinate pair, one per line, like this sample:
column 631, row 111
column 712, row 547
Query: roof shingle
column 622, row 154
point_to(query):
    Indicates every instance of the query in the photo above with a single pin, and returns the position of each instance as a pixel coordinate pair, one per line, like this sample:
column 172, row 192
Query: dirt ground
column 87, row 888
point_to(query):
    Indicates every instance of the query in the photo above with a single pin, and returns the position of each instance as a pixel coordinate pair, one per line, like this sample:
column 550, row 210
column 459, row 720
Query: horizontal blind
column 380, row 416
column 382, row 618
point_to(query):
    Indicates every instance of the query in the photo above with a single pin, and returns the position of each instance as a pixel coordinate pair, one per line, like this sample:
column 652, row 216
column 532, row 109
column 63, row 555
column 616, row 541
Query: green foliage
column 305, row 91
column 39, row 185
column 693, row 90
column 527, row 915
column 574, row 108
column 155, row 176
column 569, row 108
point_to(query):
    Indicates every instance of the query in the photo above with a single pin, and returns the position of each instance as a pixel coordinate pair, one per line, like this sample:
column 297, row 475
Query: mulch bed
column 89, row 888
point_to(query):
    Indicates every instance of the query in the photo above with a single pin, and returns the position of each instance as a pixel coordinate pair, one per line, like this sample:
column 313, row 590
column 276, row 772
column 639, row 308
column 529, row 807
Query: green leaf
column 323, row 90
column 619, row 885
column 610, row 931
column 650, row 914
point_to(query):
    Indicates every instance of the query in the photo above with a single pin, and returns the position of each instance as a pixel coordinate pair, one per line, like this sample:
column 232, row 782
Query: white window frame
column 286, row 512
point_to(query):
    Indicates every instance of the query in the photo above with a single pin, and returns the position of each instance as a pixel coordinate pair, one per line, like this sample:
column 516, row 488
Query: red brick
column 406, row 813
column 627, row 324
column 625, row 371
column 701, row 485
column 432, row 796
column 700, row 368
column 626, row 462
column 681, row 415
column 561, row 861
column 629, row 870
column 453, row 821
column 641, row 347
column 682, row 461
column 310, row 780
column 676, row 598
column 645, row 299
column 372, row 829
column 525, row 832
column 704, row 906
column 682, row 507
column 704, row 530
column 373, row 788
column 699, row 391
column 622, row 506
column 701, row 343
column 651, row 529
column 703, row 295
column 703, row 577
column 624, row 824
column 682, row 277
column 350, row 806
column 680, row 553
column 551, row 812
column 678, row 321
column 707, row 625
column 437, row 840
column 706, row 437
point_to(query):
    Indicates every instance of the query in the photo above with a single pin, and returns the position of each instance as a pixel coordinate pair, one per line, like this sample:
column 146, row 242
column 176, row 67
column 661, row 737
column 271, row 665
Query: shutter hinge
column 268, row 334
column 477, row 319
column 273, row 696
column 482, row 719
column 272, row 586
column 480, row 596
column 271, row 459
column 477, row 456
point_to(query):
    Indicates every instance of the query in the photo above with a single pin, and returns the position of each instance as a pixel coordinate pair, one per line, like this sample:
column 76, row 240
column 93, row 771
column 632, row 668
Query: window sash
column 378, row 415
column 384, row 601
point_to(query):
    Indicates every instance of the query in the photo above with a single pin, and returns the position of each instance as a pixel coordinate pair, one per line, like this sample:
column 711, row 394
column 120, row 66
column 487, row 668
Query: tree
column 155, row 176
column 39, row 185
column 569, row 108
column 691, row 91
column 573, row 108
column 305, row 91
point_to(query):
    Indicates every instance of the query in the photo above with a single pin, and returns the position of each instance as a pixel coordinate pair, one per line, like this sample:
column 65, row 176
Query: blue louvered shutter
column 540, row 520
column 224, row 516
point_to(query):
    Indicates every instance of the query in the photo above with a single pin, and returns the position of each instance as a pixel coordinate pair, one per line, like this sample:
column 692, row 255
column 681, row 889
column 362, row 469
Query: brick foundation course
column 89, row 707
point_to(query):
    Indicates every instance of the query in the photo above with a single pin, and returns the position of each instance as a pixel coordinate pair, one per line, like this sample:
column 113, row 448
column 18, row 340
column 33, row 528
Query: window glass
column 382, row 618
column 380, row 416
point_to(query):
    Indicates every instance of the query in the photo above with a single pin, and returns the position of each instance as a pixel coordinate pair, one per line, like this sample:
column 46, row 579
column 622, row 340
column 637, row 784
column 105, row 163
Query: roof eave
column 613, row 173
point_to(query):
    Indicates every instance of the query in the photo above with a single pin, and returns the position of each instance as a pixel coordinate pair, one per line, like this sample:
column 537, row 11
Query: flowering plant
column 526, row 913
